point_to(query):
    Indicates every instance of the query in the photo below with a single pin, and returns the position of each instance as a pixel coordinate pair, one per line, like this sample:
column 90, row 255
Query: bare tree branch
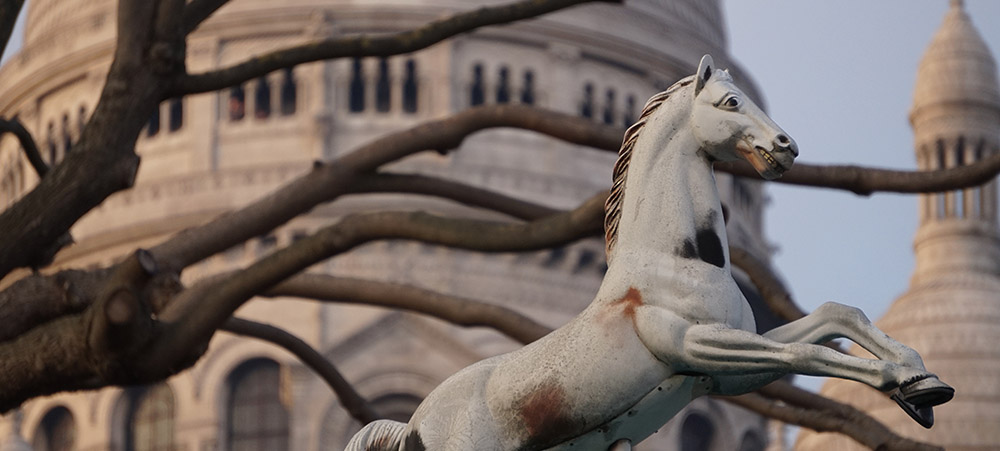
column 9, row 10
column 328, row 181
column 365, row 45
column 15, row 126
column 777, row 297
column 198, row 10
column 452, row 190
column 865, row 181
column 355, row 404
column 823, row 414
column 192, row 318
column 456, row 310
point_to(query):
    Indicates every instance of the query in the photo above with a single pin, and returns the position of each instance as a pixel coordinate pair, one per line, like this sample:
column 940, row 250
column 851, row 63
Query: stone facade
column 951, row 312
column 206, row 154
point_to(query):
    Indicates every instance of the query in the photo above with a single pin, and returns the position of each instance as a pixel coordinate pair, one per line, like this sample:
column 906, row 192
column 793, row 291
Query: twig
column 777, row 297
column 9, row 10
column 197, row 11
column 456, row 310
column 355, row 404
column 365, row 45
column 194, row 319
column 14, row 125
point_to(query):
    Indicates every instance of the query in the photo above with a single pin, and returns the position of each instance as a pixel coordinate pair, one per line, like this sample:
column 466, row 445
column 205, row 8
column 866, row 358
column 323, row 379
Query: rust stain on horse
column 631, row 301
column 546, row 417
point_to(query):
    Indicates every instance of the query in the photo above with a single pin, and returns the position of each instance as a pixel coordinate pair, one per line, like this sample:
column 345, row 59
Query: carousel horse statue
column 668, row 324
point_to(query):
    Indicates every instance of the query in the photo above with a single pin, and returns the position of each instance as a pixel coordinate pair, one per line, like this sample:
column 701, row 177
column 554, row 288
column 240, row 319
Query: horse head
column 729, row 126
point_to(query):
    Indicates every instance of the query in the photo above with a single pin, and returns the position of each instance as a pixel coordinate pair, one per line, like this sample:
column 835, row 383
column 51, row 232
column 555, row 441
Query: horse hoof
column 927, row 391
column 924, row 416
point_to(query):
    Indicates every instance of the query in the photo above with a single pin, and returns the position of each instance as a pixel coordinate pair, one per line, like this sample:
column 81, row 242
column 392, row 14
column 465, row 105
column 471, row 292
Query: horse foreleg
column 832, row 320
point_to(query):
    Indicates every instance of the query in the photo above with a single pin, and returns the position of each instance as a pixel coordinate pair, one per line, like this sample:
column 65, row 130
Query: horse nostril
column 783, row 140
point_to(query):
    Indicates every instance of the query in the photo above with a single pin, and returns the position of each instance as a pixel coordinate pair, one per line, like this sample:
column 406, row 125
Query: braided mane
column 613, row 206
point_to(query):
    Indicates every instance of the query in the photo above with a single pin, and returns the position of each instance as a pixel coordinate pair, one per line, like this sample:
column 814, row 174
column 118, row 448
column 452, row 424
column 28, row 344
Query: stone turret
column 951, row 311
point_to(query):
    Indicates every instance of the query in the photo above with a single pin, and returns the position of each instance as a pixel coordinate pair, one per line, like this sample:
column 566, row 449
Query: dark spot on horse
column 710, row 247
column 546, row 417
column 687, row 249
column 413, row 442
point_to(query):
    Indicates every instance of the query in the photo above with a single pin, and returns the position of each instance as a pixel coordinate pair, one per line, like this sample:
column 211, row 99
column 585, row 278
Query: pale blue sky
column 838, row 77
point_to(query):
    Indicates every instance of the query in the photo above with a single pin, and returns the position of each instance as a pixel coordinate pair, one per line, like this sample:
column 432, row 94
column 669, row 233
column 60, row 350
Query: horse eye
column 732, row 102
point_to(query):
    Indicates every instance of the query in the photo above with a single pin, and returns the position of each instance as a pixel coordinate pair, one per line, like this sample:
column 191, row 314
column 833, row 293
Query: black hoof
column 924, row 416
column 927, row 391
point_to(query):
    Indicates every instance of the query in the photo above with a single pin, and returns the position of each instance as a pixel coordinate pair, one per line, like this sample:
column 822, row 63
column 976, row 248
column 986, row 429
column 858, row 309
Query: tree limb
column 456, row 310
column 328, row 181
column 194, row 317
column 9, row 10
column 823, row 414
column 355, row 404
column 365, row 45
column 14, row 125
column 774, row 293
column 198, row 10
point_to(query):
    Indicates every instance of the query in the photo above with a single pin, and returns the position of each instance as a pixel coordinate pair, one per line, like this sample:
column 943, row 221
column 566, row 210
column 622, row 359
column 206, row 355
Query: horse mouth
column 768, row 157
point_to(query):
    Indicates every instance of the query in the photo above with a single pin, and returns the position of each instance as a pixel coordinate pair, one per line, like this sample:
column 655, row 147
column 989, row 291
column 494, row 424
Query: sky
column 838, row 77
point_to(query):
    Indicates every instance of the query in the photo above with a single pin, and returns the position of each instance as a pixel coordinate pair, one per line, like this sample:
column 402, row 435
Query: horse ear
column 705, row 69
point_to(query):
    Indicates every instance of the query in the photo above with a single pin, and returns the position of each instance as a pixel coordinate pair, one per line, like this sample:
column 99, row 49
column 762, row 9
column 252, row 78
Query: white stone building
column 206, row 154
column 951, row 311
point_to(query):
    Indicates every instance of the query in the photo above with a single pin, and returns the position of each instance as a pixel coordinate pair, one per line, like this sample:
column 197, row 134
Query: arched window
column 697, row 432
column 67, row 137
column 262, row 99
column 81, row 120
column 477, row 92
column 383, row 88
column 528, row 88
column 609, row 107
column 289, row 93
column 410, row 87
column 56, row 431
column 752, row 442
column 176, row 119
column 256, row 418
column 587, row 105
column 357, row 94
column 503, row 85
column 50, row 142
column 237, row 103
column 150, row 419
column 629, row 116
column 153, row 127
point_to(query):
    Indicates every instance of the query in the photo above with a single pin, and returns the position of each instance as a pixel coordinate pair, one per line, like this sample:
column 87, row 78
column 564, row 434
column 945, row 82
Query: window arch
column 262, row 98
column 609, row 107
column 289, row 93
column 176, row 119
column 67, row 137
column 383, row 87
column 503, row 85
column 528, row 88
column 50, row 142
column 697, row 433
column 477, row 92
column 237, row 103
column 410, row 87
column 256, row 417
column 587, row 105
column 752, row 442
column 150, row 424
column 56, row 431
column 357, row 90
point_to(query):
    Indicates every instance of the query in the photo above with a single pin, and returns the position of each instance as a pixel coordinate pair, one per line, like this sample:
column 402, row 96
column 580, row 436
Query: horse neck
column 670, row 204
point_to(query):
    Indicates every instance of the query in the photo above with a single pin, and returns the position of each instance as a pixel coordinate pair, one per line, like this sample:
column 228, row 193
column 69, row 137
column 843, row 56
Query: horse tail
column 379, row 435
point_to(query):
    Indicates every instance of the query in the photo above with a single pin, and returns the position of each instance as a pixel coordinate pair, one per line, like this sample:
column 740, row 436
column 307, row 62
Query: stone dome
column 957, row 66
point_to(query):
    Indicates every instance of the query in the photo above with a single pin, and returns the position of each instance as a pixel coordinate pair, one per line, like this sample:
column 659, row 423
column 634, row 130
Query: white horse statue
column 668, row 324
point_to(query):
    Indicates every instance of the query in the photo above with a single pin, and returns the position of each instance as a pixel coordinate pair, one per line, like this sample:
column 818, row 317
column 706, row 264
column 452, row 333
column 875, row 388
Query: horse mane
column 613, row 206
